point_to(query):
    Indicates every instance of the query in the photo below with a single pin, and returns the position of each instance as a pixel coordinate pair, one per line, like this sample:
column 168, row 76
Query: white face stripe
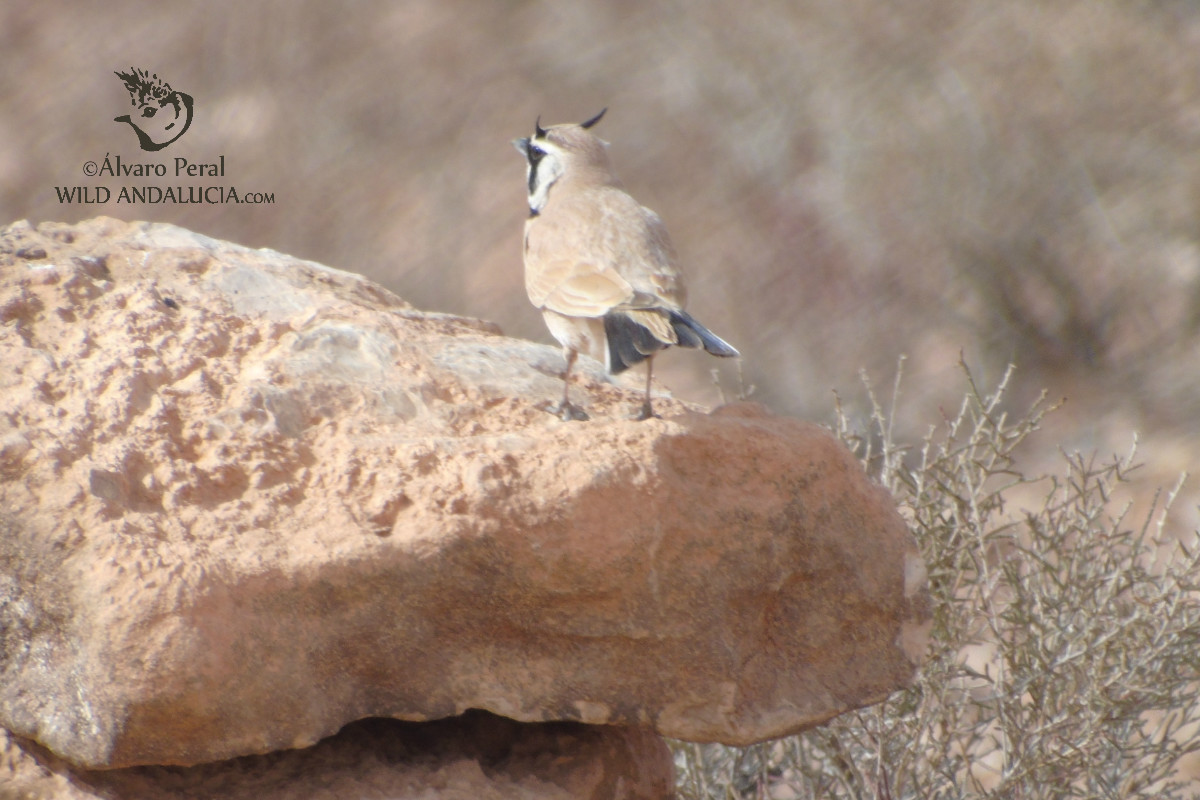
column 541, row 176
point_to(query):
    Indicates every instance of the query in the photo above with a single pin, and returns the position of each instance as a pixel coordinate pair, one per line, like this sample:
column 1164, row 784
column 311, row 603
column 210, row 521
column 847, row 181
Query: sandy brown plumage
column 598, row 264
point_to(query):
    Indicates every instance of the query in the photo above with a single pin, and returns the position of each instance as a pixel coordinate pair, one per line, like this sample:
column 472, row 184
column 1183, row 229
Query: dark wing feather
column 693, row 334
column 630, row 343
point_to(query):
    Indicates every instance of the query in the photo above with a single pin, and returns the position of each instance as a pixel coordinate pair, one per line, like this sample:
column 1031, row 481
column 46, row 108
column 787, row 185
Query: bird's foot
column 646, row 412
column 569, row 412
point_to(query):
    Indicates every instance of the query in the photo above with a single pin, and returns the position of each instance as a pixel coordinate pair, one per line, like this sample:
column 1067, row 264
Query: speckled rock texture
column 246, row 500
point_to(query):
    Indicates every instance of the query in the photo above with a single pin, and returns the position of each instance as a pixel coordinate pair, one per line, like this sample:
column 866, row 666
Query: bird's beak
column 522, row 146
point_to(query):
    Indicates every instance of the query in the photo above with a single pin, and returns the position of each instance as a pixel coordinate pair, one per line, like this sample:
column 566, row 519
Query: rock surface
column 474, row 757
column 246, row 500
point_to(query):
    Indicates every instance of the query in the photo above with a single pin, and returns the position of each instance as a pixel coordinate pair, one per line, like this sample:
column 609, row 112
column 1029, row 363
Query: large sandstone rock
column 246, row 499
column 474, row 757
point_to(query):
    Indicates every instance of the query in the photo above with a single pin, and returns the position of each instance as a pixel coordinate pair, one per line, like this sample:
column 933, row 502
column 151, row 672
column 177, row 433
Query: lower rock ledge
column 477, row 755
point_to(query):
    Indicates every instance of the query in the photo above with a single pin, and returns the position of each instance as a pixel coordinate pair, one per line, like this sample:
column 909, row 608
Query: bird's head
column 568, row 152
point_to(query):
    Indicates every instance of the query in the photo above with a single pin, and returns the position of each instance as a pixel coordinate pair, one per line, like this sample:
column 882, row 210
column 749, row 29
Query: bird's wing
column 650, row 264
column 576, row 288
column 599, row 251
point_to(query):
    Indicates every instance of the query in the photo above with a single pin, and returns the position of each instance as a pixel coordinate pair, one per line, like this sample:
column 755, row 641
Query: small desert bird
column 598, row 264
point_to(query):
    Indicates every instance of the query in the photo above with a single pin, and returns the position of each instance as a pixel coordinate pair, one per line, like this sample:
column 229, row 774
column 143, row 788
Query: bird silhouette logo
column 162, row 114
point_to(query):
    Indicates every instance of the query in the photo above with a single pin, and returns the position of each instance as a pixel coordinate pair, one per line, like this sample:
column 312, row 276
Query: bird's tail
column 630, row 342
column 693, row 334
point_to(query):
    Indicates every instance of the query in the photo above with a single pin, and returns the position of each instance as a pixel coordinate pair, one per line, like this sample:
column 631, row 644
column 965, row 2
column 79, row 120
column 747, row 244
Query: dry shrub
column 1064, row 656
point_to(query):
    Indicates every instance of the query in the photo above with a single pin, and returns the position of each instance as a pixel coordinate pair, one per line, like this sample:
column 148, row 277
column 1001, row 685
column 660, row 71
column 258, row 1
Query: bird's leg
column 565, row 410
column 647, row 411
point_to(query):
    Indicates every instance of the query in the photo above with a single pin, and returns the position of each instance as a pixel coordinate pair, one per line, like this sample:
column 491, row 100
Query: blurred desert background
column 846, row 181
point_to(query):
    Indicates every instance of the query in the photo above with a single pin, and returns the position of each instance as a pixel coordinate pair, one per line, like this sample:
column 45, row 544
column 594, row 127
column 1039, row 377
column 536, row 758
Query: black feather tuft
column 593, row 120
